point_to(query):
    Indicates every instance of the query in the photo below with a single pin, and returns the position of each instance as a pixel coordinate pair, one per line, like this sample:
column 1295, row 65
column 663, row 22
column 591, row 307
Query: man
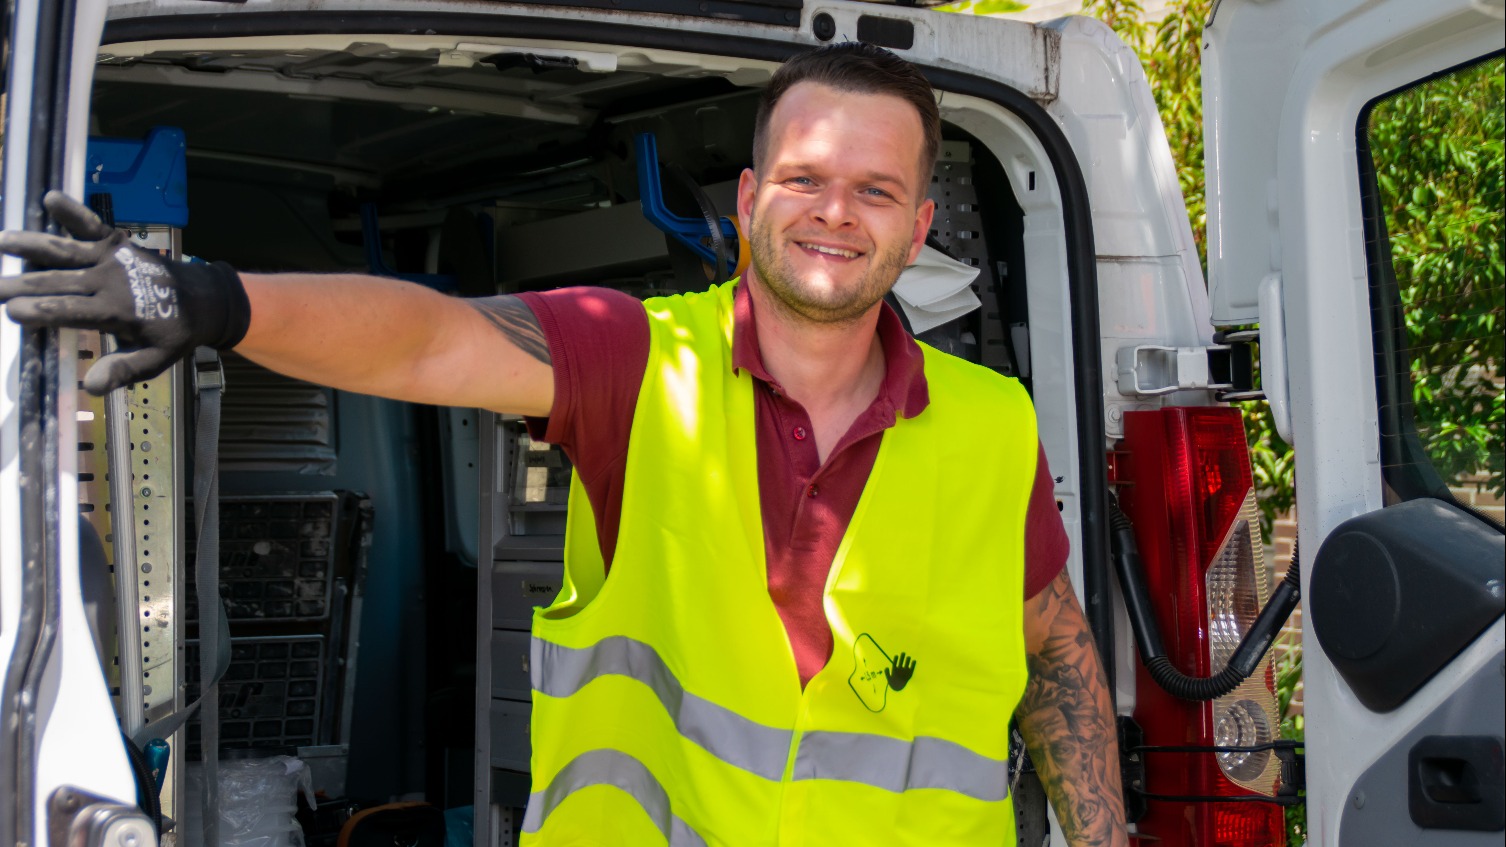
column 798, row 606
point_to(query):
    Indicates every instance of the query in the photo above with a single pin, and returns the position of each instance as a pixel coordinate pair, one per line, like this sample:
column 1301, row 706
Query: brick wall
column 1283, row 533
column 1474, row 494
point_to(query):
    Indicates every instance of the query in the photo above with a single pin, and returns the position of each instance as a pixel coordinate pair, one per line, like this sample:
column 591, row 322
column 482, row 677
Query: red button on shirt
column 598, row 339
column 799, row 433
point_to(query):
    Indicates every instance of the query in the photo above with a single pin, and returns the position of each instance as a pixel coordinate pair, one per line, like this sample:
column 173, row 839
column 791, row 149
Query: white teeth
column 831, row 251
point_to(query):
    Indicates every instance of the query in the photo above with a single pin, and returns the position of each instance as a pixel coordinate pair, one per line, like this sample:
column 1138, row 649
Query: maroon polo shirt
column 599, row 340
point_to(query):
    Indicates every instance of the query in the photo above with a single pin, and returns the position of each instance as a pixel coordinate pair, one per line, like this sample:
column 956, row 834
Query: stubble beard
column 797, row 296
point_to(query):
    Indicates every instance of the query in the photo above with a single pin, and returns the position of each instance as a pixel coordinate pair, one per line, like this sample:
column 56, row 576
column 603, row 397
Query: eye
column 873, row 191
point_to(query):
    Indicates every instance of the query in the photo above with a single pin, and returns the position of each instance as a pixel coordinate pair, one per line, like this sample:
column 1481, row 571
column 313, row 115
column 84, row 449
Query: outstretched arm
column 1067, row 719
column 399, row 340
column 365, row 334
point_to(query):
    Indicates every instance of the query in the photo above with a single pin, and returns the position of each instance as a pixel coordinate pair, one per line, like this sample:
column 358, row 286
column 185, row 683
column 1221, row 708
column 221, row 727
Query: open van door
column 1325, row 226
column 64, row 775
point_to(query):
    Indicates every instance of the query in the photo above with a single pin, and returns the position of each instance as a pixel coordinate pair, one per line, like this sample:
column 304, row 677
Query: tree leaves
column 1438, row 153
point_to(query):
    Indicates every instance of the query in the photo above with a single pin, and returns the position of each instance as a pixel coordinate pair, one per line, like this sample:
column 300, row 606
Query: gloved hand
column 159, row 310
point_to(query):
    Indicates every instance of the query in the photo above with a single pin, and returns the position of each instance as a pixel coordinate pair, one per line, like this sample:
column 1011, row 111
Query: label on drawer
column 520, row 587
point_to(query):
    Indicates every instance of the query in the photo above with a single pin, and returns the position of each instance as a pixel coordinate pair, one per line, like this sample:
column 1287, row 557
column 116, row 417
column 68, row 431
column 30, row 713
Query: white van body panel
column 1285, row 83
column 19, row 96
column 1150, row 283
column 78, row 741
column 1279, row 78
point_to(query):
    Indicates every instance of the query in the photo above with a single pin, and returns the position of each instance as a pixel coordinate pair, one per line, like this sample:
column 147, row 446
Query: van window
column 1431, row 156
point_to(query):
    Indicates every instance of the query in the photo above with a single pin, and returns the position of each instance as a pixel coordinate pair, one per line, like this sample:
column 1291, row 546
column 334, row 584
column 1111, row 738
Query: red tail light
column 1185, row 484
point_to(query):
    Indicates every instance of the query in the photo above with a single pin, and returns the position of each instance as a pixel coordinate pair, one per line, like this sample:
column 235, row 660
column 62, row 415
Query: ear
column 923, row 217
column 747, row 189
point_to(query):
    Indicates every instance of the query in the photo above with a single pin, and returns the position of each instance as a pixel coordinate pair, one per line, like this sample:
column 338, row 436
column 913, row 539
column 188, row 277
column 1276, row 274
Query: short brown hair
column 859, row 68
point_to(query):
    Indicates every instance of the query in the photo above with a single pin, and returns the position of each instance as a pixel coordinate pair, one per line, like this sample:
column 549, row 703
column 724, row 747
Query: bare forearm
column 349, row 331
column 1067, row 719
column 394, row 339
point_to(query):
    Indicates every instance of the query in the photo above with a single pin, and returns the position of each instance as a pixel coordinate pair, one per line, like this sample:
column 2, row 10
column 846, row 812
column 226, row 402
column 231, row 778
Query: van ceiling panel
column 777, row 12
column 361, row 136
column 526, row 77
column 384, row 115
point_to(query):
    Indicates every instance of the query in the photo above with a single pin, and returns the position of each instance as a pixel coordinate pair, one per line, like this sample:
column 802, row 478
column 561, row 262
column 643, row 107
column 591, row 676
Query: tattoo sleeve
column 1068, row 722
column 515, row 321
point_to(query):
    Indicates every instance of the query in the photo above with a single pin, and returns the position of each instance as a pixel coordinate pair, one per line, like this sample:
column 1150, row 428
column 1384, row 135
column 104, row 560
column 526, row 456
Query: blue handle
column 687, row 231
column 146, row 180
column 157, row 754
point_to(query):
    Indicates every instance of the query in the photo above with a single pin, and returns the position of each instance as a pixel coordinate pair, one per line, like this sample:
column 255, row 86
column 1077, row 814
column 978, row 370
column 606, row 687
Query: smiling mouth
column 829, row 251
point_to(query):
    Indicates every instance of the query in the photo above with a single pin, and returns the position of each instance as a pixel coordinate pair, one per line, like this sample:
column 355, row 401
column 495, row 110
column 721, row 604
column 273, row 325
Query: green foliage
column 984, row 7
column 1439, row 164
column 1287, row 665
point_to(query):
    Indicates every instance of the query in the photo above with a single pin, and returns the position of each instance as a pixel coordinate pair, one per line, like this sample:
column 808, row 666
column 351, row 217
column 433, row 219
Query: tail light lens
column 1185, row 483
column 1238, row 585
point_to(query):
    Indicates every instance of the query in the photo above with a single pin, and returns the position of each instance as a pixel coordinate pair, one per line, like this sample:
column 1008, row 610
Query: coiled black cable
column 146, row 786
column 1246, row 656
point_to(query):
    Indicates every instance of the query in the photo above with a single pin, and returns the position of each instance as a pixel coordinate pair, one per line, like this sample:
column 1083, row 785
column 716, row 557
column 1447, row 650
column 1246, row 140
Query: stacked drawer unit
column 527, row 571
column 290, row 570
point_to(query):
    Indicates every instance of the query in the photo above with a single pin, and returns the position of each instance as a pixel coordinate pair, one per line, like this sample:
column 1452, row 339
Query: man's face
column 838, row 208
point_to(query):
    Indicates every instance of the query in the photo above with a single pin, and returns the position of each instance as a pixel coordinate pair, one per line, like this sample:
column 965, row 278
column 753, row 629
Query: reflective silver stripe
column 619, row 770
column 560, row 671
column 894, row 764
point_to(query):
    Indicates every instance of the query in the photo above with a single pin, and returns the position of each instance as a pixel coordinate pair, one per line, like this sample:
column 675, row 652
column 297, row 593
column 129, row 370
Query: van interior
column 359, row 533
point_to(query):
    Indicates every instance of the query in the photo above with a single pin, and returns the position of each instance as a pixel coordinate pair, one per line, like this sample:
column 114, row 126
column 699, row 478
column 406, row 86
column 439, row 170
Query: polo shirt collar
column 904, row 389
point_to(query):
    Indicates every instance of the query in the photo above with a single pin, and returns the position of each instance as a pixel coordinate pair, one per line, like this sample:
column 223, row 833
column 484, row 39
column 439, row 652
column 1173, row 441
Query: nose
column 833, row 208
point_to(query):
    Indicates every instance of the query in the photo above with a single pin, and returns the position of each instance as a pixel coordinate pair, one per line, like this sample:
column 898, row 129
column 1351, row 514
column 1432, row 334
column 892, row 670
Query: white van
column 380, row 562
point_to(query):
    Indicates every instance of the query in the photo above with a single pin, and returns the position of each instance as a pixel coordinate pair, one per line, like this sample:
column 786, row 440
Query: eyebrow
column 878, row 176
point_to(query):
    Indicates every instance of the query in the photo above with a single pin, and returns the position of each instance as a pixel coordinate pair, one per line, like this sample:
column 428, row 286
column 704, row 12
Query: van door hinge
column 1227, row 368
column 79, row 819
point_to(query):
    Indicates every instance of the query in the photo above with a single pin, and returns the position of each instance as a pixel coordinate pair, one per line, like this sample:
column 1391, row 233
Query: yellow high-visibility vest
column 667, row 707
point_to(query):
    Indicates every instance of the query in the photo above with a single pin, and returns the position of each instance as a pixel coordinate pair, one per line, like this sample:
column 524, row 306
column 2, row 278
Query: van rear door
column 1354, row 211
column 61, row 753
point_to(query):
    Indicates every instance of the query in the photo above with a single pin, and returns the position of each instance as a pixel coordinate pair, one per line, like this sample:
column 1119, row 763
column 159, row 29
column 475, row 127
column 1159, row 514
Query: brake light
column 1185, row 483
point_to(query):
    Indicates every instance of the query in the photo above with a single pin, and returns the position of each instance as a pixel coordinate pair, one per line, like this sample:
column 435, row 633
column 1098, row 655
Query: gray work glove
column 158, row 309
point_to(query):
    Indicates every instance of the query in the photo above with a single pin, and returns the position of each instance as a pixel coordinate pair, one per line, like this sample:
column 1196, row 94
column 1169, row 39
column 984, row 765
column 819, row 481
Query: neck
column 824, row 367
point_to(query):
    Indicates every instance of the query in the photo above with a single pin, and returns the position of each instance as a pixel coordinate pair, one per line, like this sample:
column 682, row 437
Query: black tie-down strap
column 214, row 630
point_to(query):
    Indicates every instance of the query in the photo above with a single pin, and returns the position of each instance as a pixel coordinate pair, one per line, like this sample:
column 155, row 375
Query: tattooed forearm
column 1067, row 719
column 516, row 321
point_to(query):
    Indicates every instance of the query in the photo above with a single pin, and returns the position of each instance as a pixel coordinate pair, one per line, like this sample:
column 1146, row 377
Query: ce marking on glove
column 153, row 301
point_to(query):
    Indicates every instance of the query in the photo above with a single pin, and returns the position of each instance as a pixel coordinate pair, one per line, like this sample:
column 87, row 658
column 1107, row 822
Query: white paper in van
column 935, row 290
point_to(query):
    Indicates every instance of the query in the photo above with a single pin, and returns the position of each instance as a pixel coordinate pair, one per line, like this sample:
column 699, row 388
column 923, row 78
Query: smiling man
column 814, row 566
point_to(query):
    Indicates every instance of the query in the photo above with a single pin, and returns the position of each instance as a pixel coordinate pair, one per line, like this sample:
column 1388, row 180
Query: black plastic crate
column 272, row 695
column 277, row 557
column 290, row 572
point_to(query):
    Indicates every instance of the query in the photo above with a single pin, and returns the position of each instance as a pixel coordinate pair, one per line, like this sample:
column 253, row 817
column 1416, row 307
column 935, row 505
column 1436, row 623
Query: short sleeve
column 1046, row 542
column 598, row 342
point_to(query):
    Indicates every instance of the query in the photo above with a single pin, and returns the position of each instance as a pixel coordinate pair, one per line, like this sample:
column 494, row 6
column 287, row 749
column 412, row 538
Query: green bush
column 1286, row 662
column 1439, row 165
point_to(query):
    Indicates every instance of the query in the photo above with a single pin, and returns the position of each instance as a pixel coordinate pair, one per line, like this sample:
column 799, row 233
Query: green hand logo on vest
column 874, row 673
